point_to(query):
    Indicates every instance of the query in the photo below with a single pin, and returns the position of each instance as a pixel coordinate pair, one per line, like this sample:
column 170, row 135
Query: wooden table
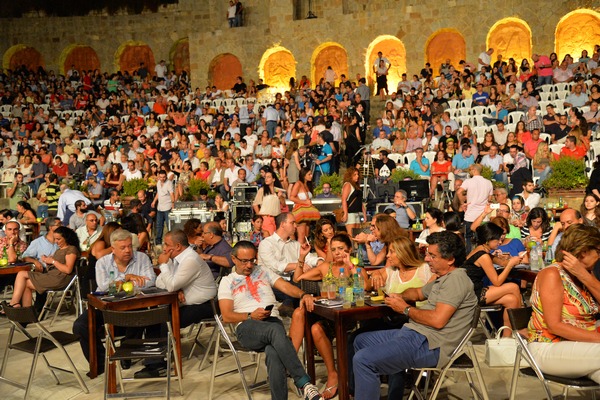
column 135, row 303
column 343, row 319
column 414, row 233
column 13, row 269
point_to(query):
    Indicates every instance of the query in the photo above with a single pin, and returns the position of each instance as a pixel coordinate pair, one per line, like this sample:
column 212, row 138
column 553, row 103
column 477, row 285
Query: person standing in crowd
column 163, row 202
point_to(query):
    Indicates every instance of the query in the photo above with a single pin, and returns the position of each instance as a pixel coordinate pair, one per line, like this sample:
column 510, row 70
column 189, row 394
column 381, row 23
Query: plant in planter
column 401, row 174
column 131, row 187
column 192, row 191
column 488, row 174
column 568, row 174
column 334, row 180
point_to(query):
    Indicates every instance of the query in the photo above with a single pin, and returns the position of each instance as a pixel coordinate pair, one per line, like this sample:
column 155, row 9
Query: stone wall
column 353, row 24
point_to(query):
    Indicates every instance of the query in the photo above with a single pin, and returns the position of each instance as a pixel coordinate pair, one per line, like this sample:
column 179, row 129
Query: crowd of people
column 71, row 142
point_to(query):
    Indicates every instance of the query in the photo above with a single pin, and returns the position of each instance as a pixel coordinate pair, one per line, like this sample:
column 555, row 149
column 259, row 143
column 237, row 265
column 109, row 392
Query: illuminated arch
column 393, row 49
column 223, row 70
column 443, row 44
column 510, row 37
column 21, row 54
column 130, row 54
column 277, row 66
column 179, row 56
column 576, row 31
column 328, row 54
column 83, row 57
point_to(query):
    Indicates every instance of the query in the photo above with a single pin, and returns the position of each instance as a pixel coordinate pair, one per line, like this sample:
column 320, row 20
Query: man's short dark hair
column 280, row 219
column 135, row 203
column 526, row 181
column 79, row 203
column 214, row 228
column 243, row 245
column 179, row 237
column 450, row 246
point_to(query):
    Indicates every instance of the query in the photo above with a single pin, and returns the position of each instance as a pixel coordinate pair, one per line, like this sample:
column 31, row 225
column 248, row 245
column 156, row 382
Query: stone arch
column 83, row 57
column 179, row 56
column 393, row 49
column 576, row 31
column 276, row 67
column 329, row 54
column 510, row 37
column 21, row 54
column 443, row 44
column 130, row 54
column 223, row 71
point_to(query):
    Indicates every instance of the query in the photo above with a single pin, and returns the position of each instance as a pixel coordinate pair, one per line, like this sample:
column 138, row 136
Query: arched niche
column 130, row 54
column 510, row 37
column 445, row 44
column 223, row 71
column 393, row 49
column 19, row 55
column 277, row 66
column 329, row 54
column 180, row 56
column 83, row 57
column 576, row 31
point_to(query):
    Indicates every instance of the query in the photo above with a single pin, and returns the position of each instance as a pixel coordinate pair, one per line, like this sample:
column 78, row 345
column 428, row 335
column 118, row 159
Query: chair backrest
column 22, row 315
column 461, row 345
column 137, row 318
column 519, row 317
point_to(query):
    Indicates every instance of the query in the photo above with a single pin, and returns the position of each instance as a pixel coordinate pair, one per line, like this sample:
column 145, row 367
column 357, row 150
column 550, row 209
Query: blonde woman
column 541, row 162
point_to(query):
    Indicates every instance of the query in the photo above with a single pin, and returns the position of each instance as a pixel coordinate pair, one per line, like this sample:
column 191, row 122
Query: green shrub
column 488, row 174
column 567, row 173
column 401, row 174
column 130, row 188
column 334, row 180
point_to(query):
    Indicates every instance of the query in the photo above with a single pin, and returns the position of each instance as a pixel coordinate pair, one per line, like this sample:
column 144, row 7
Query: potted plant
column 402, row 174
column 568, row 179
column 192, row 191
column 334, row 180
column 130, row 190
column 488, row 174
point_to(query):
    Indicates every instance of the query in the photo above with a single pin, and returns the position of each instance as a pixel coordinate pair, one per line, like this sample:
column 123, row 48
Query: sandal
column 331, row 392
column 3, row 313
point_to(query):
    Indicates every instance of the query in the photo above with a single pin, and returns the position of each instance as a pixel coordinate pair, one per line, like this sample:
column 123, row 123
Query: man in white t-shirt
column 531, row 199
column 230, row 175
column 132, row 172
column 161, row 69
column 476, row 192
column 163, row 201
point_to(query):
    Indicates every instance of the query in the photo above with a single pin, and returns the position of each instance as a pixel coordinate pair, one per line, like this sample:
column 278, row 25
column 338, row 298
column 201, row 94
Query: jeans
column 544, row 80
column 67, row 216
column 388, row 353
column 161, row 218
column 42, row 211
column 269, row 336
column 542, row 175
column 469, row 236
column 271, row 125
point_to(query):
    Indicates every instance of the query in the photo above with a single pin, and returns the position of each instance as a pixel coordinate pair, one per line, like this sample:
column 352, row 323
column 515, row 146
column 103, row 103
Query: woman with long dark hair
column 61, row 268
column 268, row 199
column 304, row 211
column 352, row 204
column 537, row 227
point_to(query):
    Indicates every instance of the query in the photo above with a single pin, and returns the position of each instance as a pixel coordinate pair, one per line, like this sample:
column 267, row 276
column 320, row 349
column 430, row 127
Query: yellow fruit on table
column 377, row 298
column 3, row 262
column 354, row 260
column 531, row 244
column 127, row 287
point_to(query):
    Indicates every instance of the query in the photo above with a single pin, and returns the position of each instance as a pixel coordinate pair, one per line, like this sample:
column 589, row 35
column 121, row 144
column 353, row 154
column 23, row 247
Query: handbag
column 339, row 213
column 499, row 351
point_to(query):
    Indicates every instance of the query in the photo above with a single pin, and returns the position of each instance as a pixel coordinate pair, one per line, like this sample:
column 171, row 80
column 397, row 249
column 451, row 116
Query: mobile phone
column 269, row 307
column 495, row 206
column 385, row 294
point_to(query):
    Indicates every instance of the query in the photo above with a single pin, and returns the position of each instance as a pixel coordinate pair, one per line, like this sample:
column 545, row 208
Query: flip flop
column 331, row 390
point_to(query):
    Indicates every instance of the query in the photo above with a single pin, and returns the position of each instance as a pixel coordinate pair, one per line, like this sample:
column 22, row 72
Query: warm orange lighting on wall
column 576, row 31
column 277, row 66
column 442, row 45
column 325, row 55
column 393, row 49
column 224, row 70
column 510, row 37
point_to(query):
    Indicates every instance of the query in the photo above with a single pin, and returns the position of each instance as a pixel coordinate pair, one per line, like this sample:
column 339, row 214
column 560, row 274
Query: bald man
column 568, row 217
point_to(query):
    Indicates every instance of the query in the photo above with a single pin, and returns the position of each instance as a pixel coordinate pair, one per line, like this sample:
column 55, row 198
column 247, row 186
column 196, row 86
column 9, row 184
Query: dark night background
column 67, row 8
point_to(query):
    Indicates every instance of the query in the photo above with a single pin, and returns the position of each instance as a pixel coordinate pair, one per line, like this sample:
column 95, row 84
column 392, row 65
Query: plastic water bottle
column 534, row 258
column 540, row 258
column 342, row 284
column 112, row 284
column 549, row 255
column 359, row 289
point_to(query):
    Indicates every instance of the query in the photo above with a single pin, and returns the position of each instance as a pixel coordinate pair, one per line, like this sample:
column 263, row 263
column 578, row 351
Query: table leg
column 112, row 368
column 309, row 351
column 176, row 330
column 92, row 336
column 342, row 358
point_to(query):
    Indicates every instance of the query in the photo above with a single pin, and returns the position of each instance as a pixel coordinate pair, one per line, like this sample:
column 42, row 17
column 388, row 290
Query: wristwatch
column 249, row 316
column 406, row 310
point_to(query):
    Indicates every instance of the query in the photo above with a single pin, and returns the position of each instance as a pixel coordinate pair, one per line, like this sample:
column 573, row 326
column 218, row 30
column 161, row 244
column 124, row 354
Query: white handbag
column 499, row 351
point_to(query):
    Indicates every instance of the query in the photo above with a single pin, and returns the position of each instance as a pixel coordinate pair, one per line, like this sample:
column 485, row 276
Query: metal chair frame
column 73, row 288
column 464, row 359
column 234, row 347
column 44, row 342
column 519, row 319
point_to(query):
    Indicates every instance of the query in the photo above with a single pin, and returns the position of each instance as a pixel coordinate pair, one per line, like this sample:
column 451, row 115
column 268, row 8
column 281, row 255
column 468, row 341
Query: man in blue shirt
column 420, row 165
column 404, row 212
column 461, row 162
column 380, row 127
column 480, row 98
column 323, row 161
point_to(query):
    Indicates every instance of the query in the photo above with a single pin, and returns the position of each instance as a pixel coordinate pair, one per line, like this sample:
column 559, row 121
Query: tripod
column 367, row 170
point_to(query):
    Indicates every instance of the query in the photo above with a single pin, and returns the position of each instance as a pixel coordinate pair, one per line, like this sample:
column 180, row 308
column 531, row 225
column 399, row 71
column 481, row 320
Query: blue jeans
column 161, row 218
column 271, row 125
column 544, row 80
column 388, row 353
column 269, row 336
column 542, row 175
